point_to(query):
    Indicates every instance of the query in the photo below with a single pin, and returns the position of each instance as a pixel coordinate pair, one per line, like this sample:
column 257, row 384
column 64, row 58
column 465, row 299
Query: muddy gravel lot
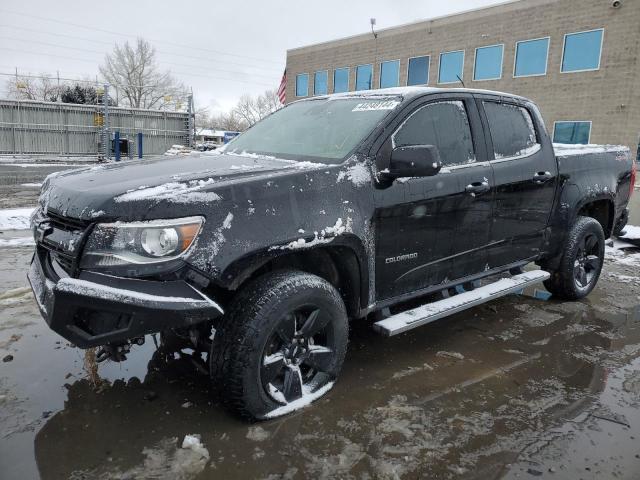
column 519, row 388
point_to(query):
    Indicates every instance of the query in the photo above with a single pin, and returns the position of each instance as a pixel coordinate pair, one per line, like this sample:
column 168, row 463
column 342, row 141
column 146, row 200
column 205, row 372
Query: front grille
column 64, row 239
column 65, row 262
column 65, row 223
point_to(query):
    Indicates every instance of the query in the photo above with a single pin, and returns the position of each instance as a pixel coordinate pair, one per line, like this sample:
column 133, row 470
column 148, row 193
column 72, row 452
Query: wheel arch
column 602, row 209
column 341, row 263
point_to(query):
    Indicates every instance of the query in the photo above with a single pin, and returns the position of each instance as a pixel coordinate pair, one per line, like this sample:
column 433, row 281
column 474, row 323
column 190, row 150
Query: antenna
column 458, row 76
column 373, row 23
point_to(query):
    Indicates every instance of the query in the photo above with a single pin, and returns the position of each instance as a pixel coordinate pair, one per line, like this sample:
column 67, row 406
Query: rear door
column 526, row 176
column 432, row 230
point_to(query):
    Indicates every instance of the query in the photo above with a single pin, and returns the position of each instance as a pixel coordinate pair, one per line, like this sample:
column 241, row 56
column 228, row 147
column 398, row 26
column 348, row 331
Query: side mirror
column 414, row 161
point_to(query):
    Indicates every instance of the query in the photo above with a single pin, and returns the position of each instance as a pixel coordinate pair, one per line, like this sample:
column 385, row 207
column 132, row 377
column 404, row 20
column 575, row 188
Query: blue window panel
column 451, row 64
column 364, row 74
column 302, row 85
column 531, row 57
column 389, row 73
column 418, row 71
column 572, row 132
column 320, row 80
column 582, row 51
column 341, row 80
column 488, row 65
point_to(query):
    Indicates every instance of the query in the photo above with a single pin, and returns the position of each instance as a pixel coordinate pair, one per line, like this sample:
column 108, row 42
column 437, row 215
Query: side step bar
column 430, row 312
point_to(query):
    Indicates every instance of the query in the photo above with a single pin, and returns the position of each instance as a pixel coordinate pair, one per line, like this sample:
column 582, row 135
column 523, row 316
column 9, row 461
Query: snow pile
column 326, row 235
column 306, row 398
column 175, row 192
column 15, row 218
column 178, row 150
column 631, row 232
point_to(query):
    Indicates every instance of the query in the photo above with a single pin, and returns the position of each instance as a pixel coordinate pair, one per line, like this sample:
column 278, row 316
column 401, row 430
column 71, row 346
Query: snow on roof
column 208, row 132
column 393, row 91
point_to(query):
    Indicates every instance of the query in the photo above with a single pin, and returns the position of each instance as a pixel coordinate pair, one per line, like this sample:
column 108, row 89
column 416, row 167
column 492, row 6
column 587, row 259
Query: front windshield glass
column 325, row 130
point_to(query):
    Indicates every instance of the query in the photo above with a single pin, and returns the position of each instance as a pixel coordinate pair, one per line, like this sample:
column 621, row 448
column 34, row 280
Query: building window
column 572, row 132
column 302, row 85
column 512, row 131
column 341, row 80
column 531, row 57
column 320, row 80
column 390, row 74
column 582, row 51
column 364, row 74
column 418, row 71
column 488, row 64
column 451, row 64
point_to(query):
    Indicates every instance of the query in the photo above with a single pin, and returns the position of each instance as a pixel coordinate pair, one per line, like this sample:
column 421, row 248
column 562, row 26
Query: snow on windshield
column 321, row 129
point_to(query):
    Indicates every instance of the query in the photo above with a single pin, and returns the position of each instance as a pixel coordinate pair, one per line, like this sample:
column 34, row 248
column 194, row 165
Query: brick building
column 578, row 59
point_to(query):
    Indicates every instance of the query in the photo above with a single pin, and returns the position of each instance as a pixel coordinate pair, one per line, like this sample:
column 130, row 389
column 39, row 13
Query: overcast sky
column 220, row 49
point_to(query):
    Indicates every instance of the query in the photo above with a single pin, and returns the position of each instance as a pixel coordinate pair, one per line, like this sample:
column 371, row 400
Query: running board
column 430, row 312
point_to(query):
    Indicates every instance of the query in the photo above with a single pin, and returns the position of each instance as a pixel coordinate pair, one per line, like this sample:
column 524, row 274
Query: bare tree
column 137, row 78
column 43, row 88
column 252, row 109
column 229, row 121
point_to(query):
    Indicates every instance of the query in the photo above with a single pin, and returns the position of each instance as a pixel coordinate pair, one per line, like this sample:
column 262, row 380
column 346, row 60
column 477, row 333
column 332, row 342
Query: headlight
column 127, row 244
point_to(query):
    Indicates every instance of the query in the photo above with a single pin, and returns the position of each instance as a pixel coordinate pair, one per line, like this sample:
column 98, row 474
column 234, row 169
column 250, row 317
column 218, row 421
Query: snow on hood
column 187, row 179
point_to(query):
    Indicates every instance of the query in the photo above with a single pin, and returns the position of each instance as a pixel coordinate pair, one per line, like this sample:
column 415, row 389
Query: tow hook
column 117, row 352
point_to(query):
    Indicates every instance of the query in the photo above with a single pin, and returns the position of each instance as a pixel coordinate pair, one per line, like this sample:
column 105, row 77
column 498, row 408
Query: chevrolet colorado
column 331, row 209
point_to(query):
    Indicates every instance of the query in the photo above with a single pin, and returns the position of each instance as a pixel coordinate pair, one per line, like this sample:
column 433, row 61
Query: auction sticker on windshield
column 368, row 106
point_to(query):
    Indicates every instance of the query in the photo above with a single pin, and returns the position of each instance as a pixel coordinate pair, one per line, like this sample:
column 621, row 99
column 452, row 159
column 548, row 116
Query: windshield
column 324, row 129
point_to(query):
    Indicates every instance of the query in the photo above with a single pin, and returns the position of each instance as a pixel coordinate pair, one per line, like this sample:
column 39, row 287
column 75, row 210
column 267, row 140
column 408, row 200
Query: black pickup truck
column 332, row 209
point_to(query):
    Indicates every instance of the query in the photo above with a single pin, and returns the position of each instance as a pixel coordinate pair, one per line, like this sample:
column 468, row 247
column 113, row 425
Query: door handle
column 542, row 177
column 477, row 188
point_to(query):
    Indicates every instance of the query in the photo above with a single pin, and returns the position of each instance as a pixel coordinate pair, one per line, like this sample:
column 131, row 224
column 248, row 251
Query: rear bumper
column 97, row 309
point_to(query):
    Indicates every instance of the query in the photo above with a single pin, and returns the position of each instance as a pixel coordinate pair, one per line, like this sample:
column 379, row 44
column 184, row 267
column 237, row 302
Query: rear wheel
column 281, row 344
column 581, row 261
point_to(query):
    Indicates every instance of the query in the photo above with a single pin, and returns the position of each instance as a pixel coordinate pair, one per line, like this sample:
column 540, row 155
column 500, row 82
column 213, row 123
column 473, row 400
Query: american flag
column 282, row 89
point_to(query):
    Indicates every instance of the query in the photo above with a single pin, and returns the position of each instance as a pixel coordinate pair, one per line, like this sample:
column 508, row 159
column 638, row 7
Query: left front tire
column 280, row 345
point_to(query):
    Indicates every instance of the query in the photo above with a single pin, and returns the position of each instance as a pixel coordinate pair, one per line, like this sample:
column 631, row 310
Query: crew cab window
column 444, row 125
column 512, row 130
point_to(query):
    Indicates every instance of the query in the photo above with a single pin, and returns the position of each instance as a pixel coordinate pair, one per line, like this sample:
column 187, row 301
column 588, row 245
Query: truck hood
column 113, row 190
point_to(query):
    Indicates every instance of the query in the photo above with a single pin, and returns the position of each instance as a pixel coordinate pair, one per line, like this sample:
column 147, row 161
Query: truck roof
column 409, row 92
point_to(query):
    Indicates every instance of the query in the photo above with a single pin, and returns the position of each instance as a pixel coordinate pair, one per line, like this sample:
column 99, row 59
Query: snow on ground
column 631, row 233
column 16, row 242
column 15, row 218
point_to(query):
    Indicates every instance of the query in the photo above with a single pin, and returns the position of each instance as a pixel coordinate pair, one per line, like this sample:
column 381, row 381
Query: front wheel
column 281, row 344
column 581, row 261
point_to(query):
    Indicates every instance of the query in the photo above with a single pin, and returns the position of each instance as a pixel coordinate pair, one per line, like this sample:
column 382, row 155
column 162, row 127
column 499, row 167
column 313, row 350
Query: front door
column 526, row 175
column 432, row 230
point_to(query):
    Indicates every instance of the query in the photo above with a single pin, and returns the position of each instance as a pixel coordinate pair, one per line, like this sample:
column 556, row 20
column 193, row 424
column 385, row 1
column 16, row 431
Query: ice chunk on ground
column 257, row 434
column 631, row 233
column 444, row 354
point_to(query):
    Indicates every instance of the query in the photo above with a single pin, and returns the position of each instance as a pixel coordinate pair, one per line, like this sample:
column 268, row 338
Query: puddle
column 520, row 384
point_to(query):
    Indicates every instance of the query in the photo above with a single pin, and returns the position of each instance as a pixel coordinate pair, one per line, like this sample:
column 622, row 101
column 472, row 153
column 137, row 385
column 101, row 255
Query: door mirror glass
column 414, row 161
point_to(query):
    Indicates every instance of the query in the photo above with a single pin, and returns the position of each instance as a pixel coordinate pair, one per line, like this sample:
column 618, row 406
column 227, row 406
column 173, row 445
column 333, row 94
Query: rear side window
column 512, row 130
column 444, row 125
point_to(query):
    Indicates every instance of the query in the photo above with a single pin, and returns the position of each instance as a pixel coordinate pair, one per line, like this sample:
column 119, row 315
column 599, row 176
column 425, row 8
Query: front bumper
column 95, row 309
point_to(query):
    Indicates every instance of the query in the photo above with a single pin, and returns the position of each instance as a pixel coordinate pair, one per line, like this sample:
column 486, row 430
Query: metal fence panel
column 29, row 127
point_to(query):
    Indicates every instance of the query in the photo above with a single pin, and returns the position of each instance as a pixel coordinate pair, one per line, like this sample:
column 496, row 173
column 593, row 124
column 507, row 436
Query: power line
column 122, row 84
column 162, row 52
column 161, row 62
column 111, row 32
